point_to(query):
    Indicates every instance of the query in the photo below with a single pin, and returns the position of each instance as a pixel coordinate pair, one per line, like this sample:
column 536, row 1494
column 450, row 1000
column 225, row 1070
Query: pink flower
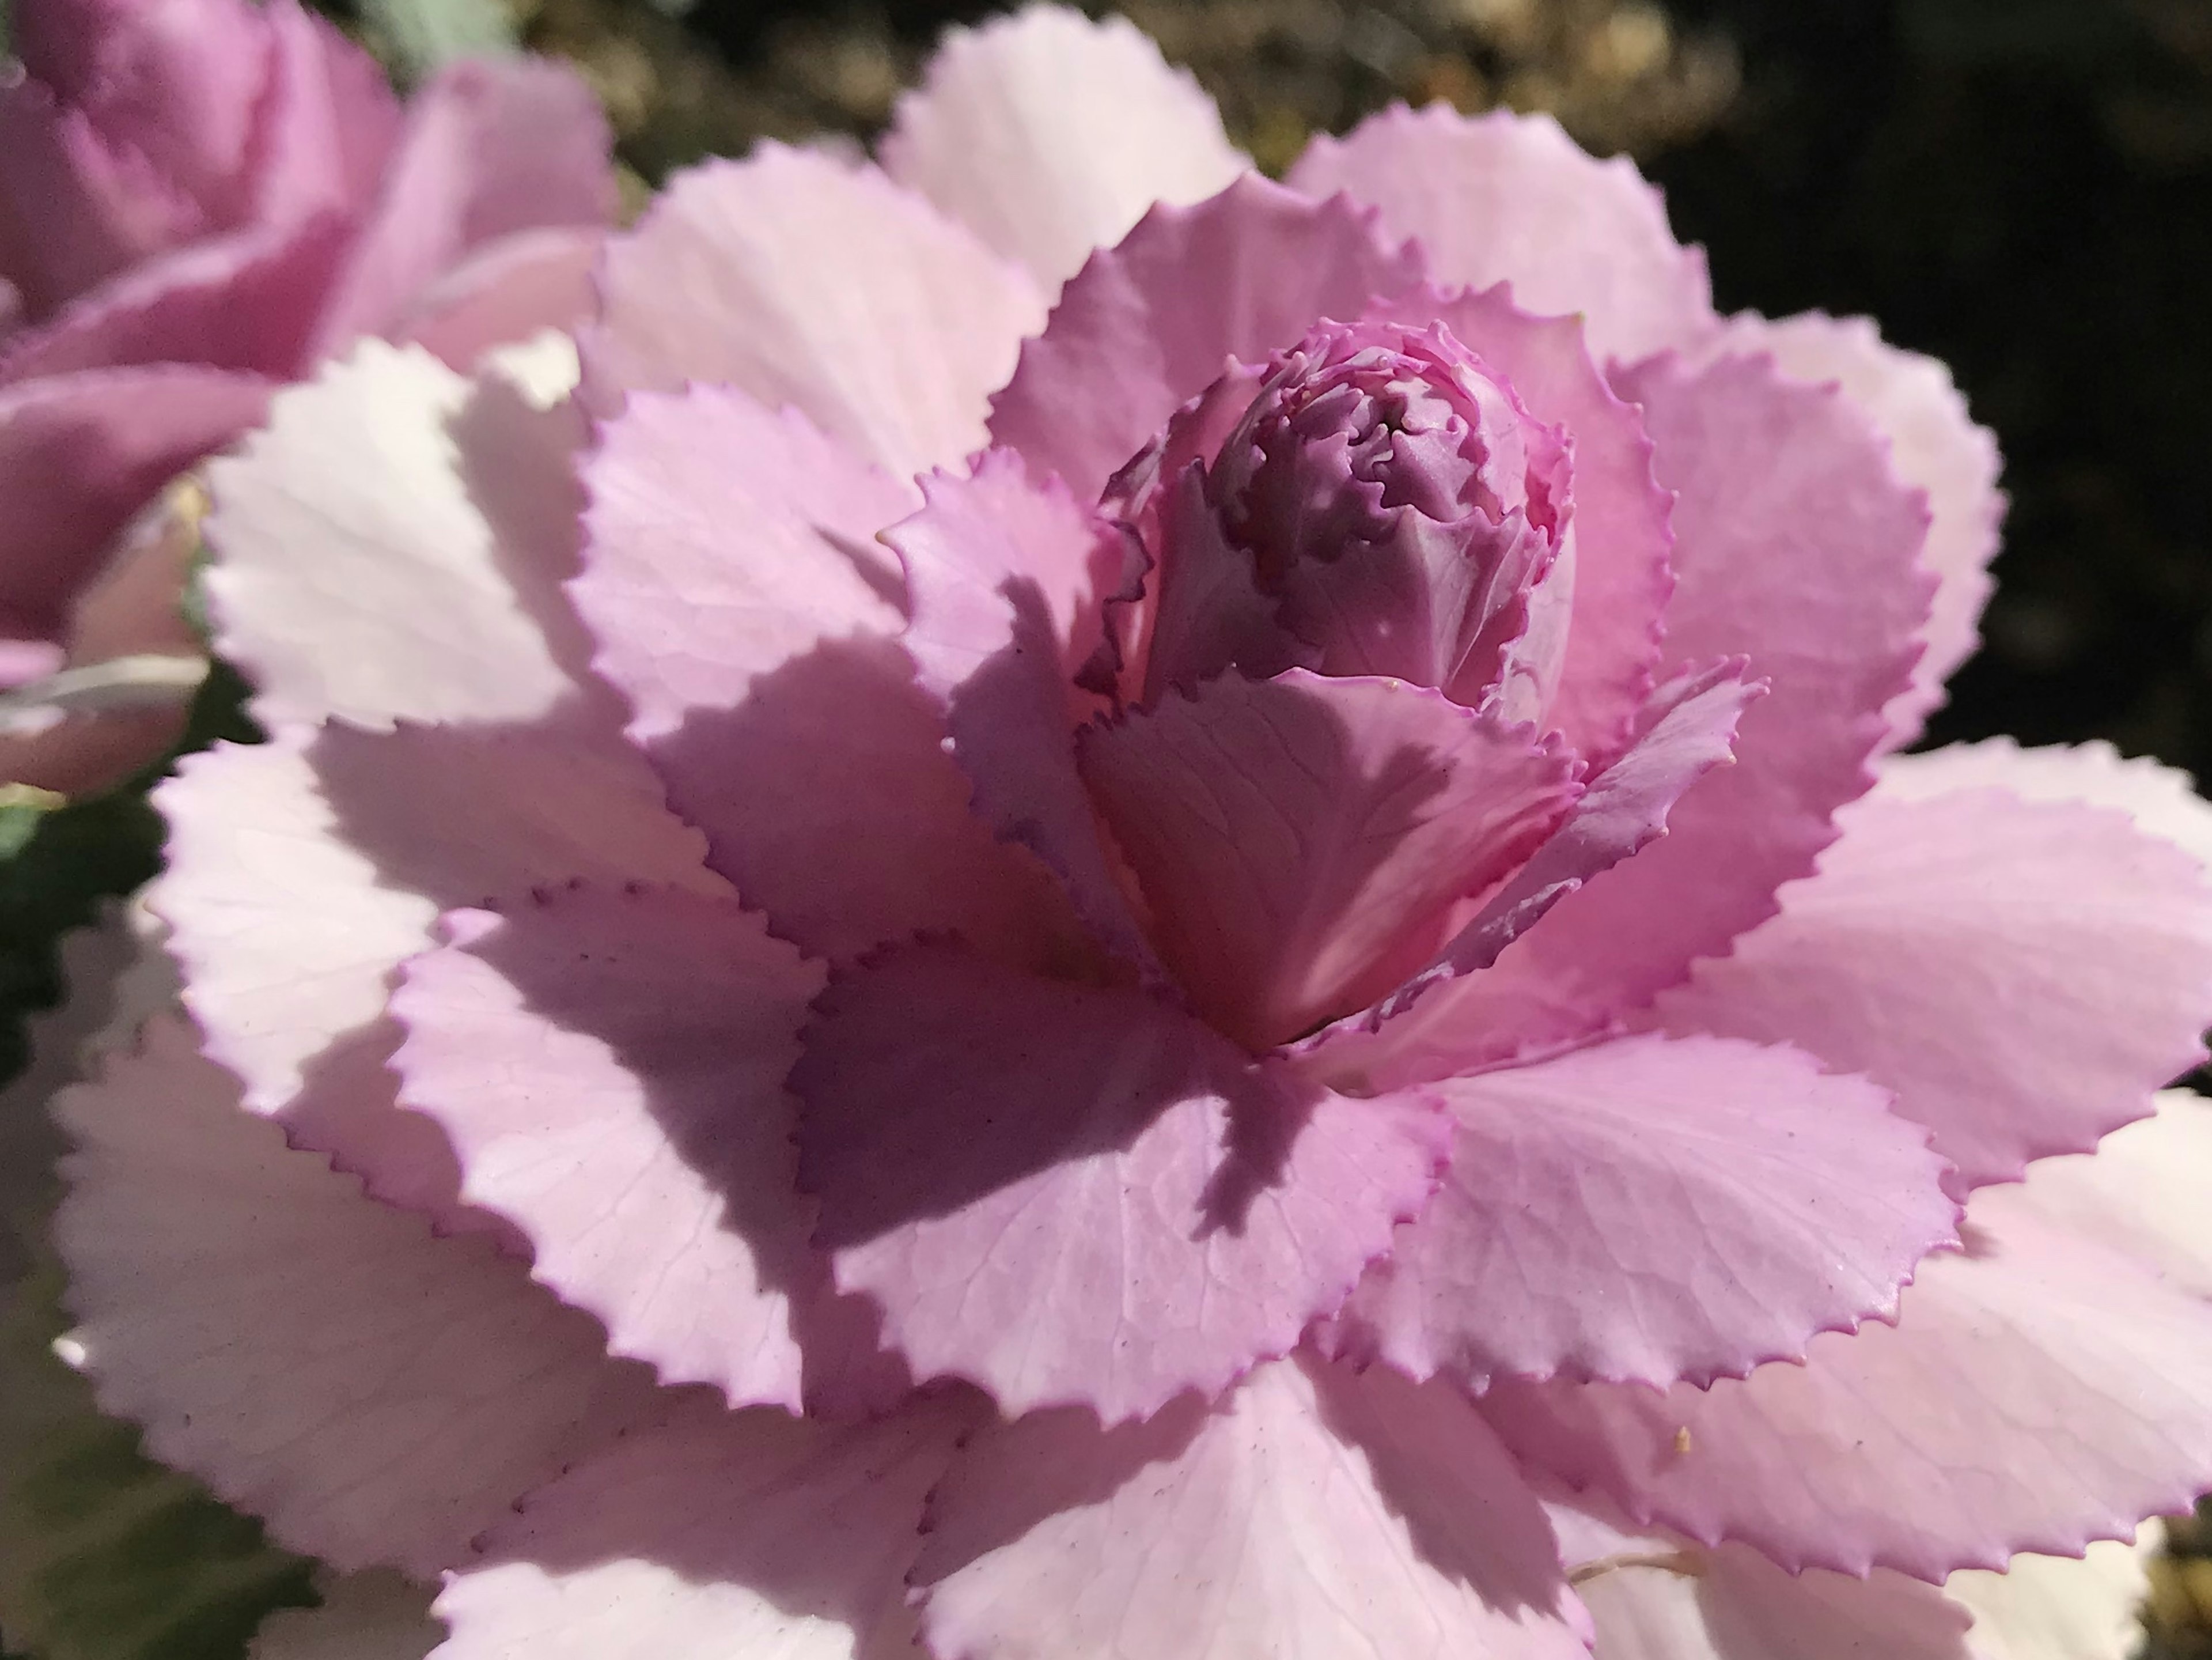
column 1241, row 968
column 200, row 199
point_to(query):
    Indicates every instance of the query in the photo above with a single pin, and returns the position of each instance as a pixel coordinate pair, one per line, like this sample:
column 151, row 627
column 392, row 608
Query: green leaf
column 421, row 34
column 59, row 858
column 104, row 1555
column 57, row 864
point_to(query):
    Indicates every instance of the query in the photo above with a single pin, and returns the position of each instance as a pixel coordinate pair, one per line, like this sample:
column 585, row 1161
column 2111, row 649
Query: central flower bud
column 1384, row 505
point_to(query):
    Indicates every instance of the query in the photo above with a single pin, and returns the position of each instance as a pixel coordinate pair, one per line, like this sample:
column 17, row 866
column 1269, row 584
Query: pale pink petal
column 609, row 1067
column 711, row 1536
column 1009, row 581
column 1653, row 1211
column 1300, row 842
column 2160, row 799
column 1689, row 729
column 1156, row 319
column 2142, row 1190
column 376, row 1394
column 246, row 302
column 1048, row 134
column 2060, row 969
column 2038, row 1393
column 375, row 1614
column 991, row 552
column 1075, row 1195
column 1731, row 1603
column 741, row 603
column 1936, row 447
column 1620, row 531
column 2061, row 1608
column 1796, row 547
column 807, row 283
column 390, row 548
column 705, row 504
column 1653, row 1594
column 1510, row 198
column 302, row 872
column 1312, row 1515
column 491, row 148
column 81, row 454
column 508, row 291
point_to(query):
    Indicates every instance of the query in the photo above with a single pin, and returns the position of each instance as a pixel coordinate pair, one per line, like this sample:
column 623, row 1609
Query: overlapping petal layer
column 1048, row 135
column 1300, row 842
column 1621, row 519
column 2158, row 799
column 1510, row 198
column 1009, row 581
column 1155, row 320
column 1689, row 729
column 1936, row 447
column 1796, row 546
column 712, row 1533
column 1072, row 1195
column 1653, row 1594
column 357, row 835
column 609, row 1067
column 439, row 515
column 1314, row 1515
column 747, row 613
column 805, row 281
column 289, row 922
column 2038, row 1392
column 2061, row 966
column 532, row 280
column 329, row 121
column 376, row 1393
column 1655, row 1211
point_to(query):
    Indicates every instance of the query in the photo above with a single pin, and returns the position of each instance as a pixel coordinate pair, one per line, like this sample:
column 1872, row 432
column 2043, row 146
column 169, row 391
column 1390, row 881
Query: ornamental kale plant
column 1237, row 965
column 199, row 200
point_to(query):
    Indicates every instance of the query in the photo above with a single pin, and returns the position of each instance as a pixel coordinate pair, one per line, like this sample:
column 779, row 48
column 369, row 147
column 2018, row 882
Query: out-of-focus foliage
column 59, row 859
column 104, row 1555
column 416, row 36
